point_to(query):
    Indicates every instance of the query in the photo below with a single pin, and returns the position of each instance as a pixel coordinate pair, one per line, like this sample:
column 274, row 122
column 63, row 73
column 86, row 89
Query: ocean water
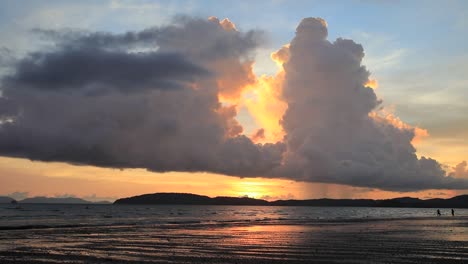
column 54, row 233
column 70, row 215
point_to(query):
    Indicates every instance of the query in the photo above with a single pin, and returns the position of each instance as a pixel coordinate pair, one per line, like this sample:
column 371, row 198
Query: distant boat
column 13, row 202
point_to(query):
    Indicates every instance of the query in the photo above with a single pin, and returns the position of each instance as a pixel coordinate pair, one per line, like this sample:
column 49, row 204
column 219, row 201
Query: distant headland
column 49, row 200
column 194, row 199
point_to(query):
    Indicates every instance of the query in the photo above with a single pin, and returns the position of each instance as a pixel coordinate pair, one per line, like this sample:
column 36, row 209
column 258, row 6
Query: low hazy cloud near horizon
column 167, row 98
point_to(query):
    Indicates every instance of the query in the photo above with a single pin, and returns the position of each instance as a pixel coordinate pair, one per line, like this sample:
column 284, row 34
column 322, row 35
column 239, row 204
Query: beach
column 410, row 240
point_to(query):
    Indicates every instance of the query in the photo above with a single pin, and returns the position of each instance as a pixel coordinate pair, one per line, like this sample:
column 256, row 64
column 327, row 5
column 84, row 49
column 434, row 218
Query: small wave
column 24, row 227
column 184, row 222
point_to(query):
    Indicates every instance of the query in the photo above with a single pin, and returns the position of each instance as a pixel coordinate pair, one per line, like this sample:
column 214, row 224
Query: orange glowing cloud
column 390, row 118
column 372, row 83
column 258, row 135
column 260, row 95
column 419, row 134
column 235, row 79
column 226, row 24
column 238, row 87
column 267, row 108
column 281, row 56
column 265, row 103
column 234, row 74
column 460, row 170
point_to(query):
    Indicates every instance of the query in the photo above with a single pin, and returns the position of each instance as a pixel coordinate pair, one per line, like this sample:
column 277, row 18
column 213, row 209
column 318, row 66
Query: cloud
column 225, row 23
column 94, row 198
column 132, row 5
column 460, row 171
column 266, row 106
column 93, row 100
column 198, row 38
column 265, row 103
column 91, row 69
column 18, row 195
column 166, row 99
column 258, row 135
column 330, row 133
column 5, row 57
column 64, row 195
column 6, row 60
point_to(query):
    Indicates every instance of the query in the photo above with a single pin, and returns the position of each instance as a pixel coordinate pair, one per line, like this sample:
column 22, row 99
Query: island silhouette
column 460, row 201
column 195, row 199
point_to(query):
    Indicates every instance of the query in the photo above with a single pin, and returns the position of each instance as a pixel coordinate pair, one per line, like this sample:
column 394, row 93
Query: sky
column 266, row 99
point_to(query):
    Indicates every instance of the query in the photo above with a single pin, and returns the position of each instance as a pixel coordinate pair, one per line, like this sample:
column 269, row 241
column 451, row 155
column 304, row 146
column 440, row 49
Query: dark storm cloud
column 197, row 37
column 66, row 103
column 227, row 53
column 89, row 69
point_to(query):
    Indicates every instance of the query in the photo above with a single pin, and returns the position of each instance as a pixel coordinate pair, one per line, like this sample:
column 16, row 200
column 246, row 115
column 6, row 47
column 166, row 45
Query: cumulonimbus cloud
column 151, row 99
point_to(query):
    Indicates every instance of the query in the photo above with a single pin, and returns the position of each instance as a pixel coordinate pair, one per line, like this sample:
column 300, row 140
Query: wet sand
column 422, row 240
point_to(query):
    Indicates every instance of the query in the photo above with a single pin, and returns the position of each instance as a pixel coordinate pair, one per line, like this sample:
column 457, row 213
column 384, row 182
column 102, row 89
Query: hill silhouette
column 189, row 199
column 6, row 199
column 57, row 200
column 67, row 200
column 194, row 199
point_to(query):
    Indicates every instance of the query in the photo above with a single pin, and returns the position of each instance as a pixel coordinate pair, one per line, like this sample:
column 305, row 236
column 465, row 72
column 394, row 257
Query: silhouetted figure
column 453, row 212
column 438, row 212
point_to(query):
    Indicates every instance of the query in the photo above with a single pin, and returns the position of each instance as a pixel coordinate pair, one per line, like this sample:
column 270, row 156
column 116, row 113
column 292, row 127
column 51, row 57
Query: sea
column 24, row 216
column 170, row 234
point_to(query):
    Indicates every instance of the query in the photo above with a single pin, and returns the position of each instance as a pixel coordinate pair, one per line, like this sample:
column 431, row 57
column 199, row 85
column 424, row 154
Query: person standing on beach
column 453, row 212
column 438, row 212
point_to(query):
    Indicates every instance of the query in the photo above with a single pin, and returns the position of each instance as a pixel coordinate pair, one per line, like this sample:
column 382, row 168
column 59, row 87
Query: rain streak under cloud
column 166, row 99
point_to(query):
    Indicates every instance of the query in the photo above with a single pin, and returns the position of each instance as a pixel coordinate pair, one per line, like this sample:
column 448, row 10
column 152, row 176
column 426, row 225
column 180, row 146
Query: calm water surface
column 24, row 215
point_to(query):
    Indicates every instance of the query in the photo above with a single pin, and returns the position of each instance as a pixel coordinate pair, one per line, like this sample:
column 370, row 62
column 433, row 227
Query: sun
column 251, row 194
column 251, row 188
